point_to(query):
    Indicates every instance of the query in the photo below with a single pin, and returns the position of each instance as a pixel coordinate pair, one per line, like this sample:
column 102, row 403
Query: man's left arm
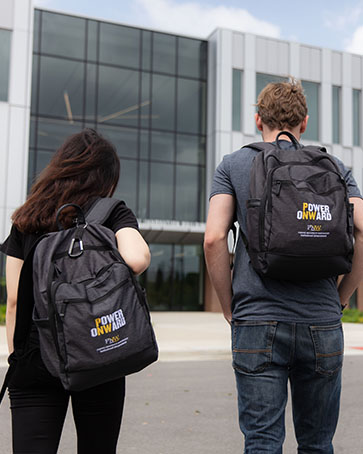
column 220, row 219
column 350, row 281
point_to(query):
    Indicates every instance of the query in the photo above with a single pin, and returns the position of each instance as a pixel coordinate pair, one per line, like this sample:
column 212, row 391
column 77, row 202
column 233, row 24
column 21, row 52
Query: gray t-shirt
column 257, row 298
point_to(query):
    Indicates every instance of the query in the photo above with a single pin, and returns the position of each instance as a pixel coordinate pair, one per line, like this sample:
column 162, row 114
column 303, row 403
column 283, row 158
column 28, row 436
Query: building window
column 357, row 108
column 143, row 90
column 5, row 36
column 236, row 100
column 336, row 113
column 174, row 279
column 311, row 90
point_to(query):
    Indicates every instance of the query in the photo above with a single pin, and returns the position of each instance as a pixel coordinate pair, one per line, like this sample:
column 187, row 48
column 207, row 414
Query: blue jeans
column 268, row 354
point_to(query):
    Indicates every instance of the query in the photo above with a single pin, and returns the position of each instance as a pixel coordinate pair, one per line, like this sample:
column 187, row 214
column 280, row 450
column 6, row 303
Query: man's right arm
column 350, row 281
column 220, row 219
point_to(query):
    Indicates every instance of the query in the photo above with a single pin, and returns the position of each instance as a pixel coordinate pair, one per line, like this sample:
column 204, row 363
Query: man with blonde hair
column 282, row 330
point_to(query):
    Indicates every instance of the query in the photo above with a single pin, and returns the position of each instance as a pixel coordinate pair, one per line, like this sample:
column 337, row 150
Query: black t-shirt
column 18, row 244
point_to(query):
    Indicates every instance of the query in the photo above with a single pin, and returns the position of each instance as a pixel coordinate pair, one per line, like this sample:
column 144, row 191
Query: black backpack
column 299, row 219
column 91, row 313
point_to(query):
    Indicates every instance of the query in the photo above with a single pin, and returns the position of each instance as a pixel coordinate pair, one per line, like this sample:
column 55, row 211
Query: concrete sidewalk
column 186, row 336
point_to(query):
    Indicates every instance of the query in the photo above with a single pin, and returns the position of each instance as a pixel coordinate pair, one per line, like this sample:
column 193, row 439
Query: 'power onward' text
column 108, row 323
column 315, row 212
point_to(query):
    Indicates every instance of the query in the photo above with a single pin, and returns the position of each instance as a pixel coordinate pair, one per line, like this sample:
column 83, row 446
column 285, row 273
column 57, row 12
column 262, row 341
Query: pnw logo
column 314, row 212
column 108, row 323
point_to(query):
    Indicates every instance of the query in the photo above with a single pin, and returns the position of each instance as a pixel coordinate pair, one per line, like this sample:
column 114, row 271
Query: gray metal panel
column 238, row 50
column 272, row 56
column 357, row 71
column 310, row 63
column 336, row 68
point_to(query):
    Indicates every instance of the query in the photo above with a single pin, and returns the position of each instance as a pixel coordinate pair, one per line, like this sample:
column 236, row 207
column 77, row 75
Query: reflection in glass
column 336, row 114
column 174, row 280
column 91, row 91
column 162, row 146
column 163, row 102
column 145, row 100
column 52, row 133
column 192, row 58
column 36, row 26
column 311, row 90
column 161, row 191
column 118, row 100
column 119, row 45
column 124, row 139
column 144, row 144
column 92, row 37
column 190, row 149
column 126, row 188
column 357, row 131
column 42, row 160
column 188, row 193
column 164, row 53
column 5, row 36
column 61, row 88
column 146, row 50
column 263, row 79
column 187, row 278
column 143, row 189
column 191, row 106
column 236, row 100
column 34, row 93
column 63, row 35
column 159, row 277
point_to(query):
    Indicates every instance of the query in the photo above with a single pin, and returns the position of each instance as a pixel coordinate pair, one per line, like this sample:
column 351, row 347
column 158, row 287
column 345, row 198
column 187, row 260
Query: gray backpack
column 91, row 314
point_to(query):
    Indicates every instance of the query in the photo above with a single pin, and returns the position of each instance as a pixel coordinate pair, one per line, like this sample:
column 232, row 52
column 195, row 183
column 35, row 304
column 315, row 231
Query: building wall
column 15, row 16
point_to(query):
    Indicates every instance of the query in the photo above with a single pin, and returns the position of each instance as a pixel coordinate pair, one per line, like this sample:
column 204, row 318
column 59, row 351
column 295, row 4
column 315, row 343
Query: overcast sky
column 336, row 24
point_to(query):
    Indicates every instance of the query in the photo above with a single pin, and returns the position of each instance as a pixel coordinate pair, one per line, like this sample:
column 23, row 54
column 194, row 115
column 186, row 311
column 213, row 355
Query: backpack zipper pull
column 279, row 184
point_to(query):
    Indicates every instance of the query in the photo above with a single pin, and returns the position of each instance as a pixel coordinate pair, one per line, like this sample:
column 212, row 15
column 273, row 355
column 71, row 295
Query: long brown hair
column 85, row 166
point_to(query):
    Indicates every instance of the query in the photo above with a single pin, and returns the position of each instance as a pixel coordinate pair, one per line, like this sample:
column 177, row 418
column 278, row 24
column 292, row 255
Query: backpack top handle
column 80, row 220
column 290, row 136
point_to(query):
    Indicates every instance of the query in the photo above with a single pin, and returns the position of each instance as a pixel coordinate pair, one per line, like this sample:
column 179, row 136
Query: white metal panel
column 357, row 167
column 347, row 101
column 224, row 82
column 22, row 11
column 325, row 113
column 19, row 74
column 272, row 56
column 336, row 68
column 7, row 14
column 238, row 50
column 18, row 157
column 249, row 86
column 357, row 63
column 294, row 60
column 4, row 150
column 237, row 140
column 310, row 63
column 224, row 145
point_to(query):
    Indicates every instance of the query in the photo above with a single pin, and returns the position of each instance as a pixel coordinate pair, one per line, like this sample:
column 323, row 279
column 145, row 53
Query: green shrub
column 352, row 316
column 2, row 314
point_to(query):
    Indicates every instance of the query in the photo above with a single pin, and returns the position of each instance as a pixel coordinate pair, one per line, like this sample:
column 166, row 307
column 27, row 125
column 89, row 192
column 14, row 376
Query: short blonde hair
column 282, row 105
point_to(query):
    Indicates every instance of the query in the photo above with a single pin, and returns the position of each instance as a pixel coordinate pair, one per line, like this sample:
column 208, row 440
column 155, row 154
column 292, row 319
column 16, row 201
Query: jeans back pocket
column 329, row 347
column 252, row 345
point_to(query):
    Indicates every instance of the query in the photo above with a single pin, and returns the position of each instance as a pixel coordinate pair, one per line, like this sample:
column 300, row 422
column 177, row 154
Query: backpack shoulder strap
column 101, row 209
column 261, row 146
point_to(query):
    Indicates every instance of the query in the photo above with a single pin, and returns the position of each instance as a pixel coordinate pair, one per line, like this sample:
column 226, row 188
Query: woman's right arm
column 13, row 269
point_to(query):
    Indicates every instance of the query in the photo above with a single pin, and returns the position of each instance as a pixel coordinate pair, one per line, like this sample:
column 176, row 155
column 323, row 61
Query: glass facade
column 174, row 280
column 312, row 93
column 5, row 38
column 336, row 113
column 357, row 118
column 236, row 100
column 143, row 90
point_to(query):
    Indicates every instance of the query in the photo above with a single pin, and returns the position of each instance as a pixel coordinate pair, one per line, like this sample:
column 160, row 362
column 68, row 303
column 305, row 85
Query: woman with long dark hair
column 84, row 168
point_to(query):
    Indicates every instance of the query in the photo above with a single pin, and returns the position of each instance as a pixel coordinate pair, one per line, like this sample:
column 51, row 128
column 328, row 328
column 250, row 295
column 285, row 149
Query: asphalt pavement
column 186, row 402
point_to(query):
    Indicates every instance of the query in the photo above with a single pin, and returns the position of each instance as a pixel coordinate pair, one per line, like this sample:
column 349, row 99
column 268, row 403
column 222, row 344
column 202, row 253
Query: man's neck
column 269, row 135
